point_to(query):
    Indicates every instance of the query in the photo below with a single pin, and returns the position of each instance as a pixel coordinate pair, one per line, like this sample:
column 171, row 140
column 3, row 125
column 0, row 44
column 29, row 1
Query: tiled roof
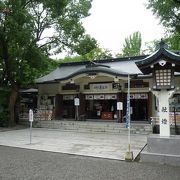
column 119, row 68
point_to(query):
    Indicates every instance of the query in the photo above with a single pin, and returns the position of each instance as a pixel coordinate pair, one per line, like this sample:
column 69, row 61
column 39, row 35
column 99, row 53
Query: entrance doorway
column 139, row 109
column 101, row 109
column 68, row 109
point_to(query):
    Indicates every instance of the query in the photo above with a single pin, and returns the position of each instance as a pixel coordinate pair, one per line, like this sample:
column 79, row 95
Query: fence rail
column 39, row 114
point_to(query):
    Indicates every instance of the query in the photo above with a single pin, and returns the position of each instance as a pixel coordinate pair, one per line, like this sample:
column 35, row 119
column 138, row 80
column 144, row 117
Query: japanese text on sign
column 164, row 109
column 164, row 121
column 100, row 87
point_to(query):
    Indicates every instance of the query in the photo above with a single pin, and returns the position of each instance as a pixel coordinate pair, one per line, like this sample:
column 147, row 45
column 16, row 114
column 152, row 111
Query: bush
column 4, row 117
column 4, row 113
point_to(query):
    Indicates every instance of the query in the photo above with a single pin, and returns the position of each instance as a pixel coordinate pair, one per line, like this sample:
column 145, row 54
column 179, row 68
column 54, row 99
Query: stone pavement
column 104, row 145
column 26, row 164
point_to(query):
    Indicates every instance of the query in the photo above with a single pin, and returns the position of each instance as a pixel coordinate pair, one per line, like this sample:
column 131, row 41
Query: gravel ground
column 23, row 164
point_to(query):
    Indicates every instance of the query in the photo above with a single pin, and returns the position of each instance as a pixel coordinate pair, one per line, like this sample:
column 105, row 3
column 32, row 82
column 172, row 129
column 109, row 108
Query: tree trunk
column 12, row 102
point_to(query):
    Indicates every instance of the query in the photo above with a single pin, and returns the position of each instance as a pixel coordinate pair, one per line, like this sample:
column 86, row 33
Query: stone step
column 93, row 127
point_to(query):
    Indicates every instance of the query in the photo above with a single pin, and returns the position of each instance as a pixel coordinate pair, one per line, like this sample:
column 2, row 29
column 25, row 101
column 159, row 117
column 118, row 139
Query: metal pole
column 175, row 124
column 129, row 116
column 77, row 113
column 119, row 112
column 129, row 153
column 30, row 131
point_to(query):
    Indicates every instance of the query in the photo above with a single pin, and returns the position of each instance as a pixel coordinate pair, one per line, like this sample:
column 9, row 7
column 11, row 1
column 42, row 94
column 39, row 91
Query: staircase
column 92, row 126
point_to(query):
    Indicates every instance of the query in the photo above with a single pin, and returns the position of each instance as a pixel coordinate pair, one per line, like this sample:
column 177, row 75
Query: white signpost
column 119, row 109
column 31, row 119
column 76, row 102
column 119, row 106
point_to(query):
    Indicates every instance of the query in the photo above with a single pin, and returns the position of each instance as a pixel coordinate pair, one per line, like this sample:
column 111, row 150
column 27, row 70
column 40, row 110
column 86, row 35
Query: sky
column 111, row 21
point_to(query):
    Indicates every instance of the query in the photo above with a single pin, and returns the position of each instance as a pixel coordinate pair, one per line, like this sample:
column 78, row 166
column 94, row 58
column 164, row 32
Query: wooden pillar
column 58, row 106
column 124, row 101
column 149, row 105
column 82, row 110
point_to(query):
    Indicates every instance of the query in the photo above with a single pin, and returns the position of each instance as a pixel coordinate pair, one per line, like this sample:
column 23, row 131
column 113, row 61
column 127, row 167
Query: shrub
column 4, row 113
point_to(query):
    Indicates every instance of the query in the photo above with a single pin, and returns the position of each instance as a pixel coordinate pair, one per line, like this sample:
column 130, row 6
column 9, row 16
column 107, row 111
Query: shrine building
column 92, row 90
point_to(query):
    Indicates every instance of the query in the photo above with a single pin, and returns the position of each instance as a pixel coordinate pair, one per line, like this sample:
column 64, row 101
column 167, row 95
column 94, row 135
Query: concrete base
column 129, row 156
column 164, row 150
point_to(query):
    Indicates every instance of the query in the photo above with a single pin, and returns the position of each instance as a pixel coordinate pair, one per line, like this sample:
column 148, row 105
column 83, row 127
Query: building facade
column 92, row 90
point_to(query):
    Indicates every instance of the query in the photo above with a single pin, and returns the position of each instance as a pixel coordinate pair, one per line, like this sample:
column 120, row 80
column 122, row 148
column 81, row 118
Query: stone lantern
column 163, row 76
column 163, row 88
column 162, row 65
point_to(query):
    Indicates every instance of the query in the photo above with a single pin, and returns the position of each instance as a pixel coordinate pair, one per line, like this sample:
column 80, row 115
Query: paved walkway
column 25, row 164
column 113, row 146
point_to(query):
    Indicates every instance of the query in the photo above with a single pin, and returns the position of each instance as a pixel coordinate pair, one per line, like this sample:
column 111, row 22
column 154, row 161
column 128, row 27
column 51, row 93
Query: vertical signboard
column 119, row 106
column 164, row 113
column 76, row 101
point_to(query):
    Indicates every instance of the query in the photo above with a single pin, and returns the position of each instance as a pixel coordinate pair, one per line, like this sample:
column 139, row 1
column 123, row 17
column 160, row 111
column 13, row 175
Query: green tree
column 26, row 43
column 150, row 47
column 4, row 107
column 63, row 18
column 69, row 59
column 168, row 12
column 174, row 41
column 132, row 45
column 95, row 54
column 86, row 45
column 98, row 54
